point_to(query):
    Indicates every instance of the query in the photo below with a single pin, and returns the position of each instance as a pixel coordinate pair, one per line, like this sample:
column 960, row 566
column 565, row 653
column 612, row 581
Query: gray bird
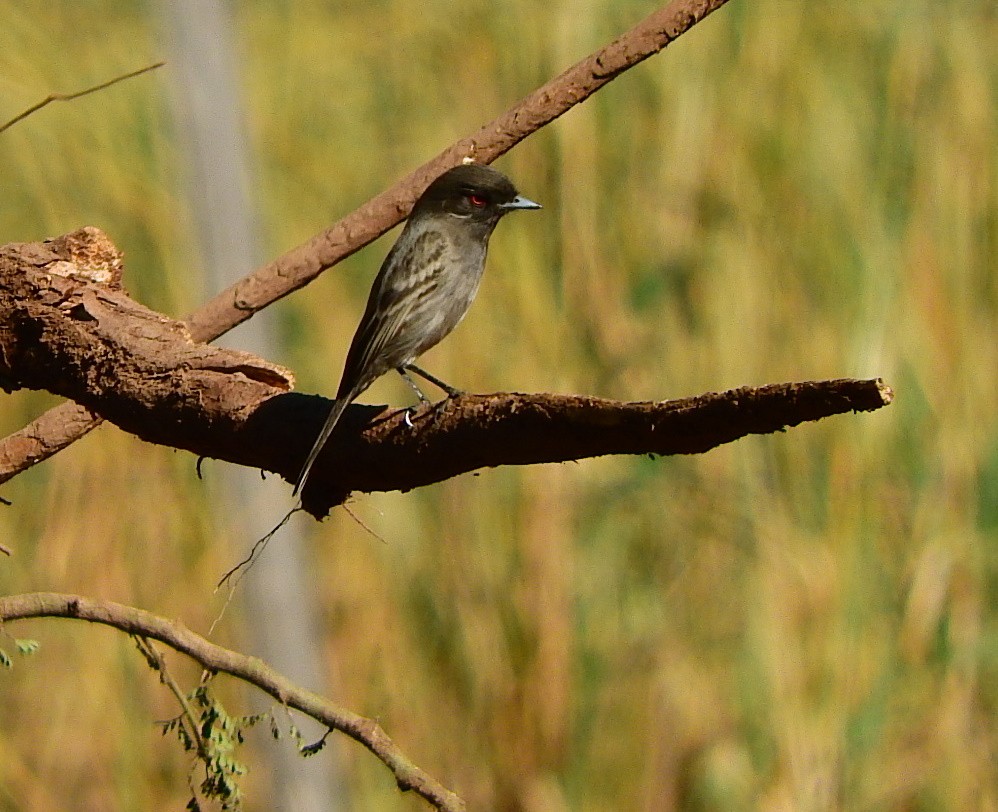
column 425, row 286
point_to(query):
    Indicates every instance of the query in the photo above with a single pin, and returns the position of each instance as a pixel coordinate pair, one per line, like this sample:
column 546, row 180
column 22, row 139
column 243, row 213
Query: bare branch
column 44, row 436
column 67, row 327
column 303, row 264
column 249, row 669
column 67, row 422
column 63, row 331
column 470, row 432
column 69, row 96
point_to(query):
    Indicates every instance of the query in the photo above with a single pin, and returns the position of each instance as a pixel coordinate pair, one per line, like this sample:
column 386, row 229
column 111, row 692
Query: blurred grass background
column 791, row 191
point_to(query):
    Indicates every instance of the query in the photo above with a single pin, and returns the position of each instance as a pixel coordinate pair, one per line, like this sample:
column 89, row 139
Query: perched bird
column 426, row 284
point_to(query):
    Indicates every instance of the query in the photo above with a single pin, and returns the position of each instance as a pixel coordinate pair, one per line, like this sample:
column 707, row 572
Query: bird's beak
column 520, row 202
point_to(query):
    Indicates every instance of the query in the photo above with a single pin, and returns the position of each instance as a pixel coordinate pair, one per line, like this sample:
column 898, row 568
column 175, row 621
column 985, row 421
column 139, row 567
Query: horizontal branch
column 303, row 264
column 249, row 669
column 67, row 328
column 485, row 431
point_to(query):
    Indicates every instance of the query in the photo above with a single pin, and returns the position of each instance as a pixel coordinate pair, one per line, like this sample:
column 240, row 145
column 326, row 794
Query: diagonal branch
column 54, row 97
column 44, row 437
column 249, row 669
column 303, row 264
column 67, row 328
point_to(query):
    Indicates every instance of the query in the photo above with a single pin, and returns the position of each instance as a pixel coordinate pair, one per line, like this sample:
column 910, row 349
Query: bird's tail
column 339, row 405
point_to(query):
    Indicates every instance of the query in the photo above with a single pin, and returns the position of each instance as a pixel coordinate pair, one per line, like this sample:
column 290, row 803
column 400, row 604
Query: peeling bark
column 66, row 326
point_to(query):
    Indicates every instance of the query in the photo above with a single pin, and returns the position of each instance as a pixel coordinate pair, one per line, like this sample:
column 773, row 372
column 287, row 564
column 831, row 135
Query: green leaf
column 27, row 646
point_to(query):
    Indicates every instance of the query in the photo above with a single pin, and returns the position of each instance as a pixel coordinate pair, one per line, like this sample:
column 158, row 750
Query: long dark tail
column 339, row 406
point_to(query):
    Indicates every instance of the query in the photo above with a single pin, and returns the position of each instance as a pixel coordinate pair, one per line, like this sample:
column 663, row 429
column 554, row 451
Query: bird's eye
column 477, row 201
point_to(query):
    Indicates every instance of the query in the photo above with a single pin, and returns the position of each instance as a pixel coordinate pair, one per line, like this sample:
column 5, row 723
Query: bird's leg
column 419, row 392
column 422, row 373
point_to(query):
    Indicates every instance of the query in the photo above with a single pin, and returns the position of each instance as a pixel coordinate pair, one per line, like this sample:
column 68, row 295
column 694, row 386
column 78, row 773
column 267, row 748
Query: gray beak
column 520, row 202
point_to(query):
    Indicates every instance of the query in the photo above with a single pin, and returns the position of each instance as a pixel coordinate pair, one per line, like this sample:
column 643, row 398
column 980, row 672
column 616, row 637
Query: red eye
column 477, row 201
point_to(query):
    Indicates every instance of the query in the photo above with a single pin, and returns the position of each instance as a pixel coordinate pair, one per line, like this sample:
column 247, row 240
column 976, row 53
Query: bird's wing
column 410, row 266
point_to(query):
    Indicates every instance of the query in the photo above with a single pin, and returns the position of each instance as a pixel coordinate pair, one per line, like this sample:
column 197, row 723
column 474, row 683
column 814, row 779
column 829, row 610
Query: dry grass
column 792, row 191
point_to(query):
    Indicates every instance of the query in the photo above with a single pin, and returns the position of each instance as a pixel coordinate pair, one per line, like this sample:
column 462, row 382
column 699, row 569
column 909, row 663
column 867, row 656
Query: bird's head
column 473, row 191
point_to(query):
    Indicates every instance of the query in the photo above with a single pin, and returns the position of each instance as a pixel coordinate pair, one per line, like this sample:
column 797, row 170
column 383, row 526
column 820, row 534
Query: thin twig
column 70, row 96
column 157, row 661
column 363, row 524
column 235, row 575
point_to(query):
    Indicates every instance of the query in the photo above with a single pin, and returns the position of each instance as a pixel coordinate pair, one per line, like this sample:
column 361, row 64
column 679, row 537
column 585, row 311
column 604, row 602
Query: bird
column 425, row 286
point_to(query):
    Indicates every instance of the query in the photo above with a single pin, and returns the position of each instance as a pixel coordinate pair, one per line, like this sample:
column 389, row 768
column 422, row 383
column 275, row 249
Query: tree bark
column 67, row 326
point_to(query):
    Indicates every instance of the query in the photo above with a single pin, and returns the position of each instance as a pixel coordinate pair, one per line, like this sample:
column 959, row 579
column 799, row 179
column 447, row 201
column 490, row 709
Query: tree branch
column 44, row 437
column 54, row 97
column 249, row 669
column 485, row 431
column 303, row 264
column 66, row 327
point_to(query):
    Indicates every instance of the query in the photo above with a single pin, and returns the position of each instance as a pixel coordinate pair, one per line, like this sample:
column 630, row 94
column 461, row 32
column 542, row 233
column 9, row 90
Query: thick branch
column 485, row 431
column 303, row 264
column 62, row 331
column 249, row 669
column 67, row 327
